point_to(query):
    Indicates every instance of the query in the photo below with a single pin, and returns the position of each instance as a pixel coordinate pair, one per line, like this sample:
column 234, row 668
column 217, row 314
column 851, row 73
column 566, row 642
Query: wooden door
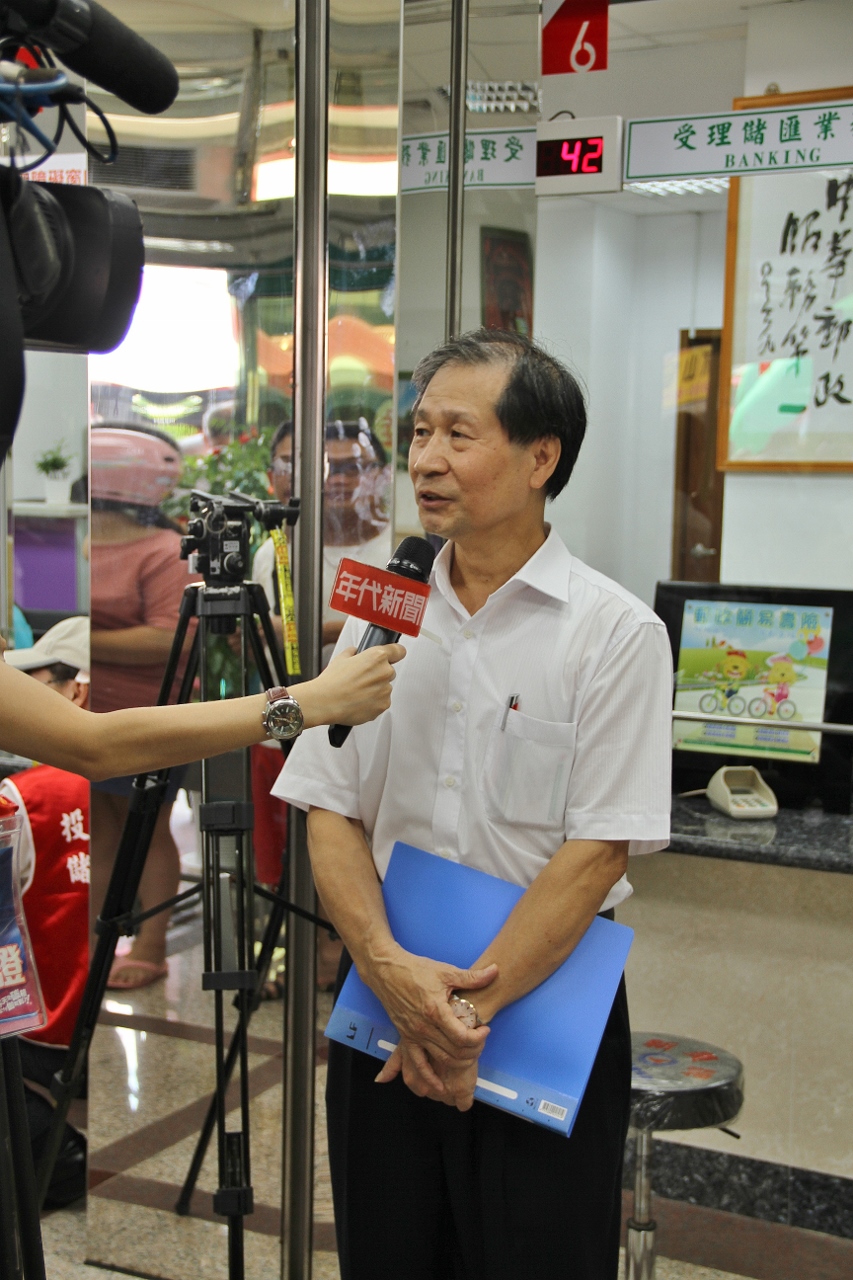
column 698, row 509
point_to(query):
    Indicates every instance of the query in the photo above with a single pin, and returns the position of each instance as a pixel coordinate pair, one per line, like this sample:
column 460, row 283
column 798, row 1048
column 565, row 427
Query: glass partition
column 202, row 387
column 499, row 235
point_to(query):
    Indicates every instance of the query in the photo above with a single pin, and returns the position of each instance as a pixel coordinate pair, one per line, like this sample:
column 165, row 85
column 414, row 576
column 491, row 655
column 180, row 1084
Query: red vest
column 57, row 902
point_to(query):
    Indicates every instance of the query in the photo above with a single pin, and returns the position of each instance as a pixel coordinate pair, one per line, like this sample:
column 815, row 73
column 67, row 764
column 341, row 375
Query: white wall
column 793, row 529
column 422, row 247
column 613, row 290
column 56, row 407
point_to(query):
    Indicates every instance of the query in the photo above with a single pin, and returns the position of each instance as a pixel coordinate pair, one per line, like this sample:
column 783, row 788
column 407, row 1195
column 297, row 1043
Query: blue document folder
column 539, row 1054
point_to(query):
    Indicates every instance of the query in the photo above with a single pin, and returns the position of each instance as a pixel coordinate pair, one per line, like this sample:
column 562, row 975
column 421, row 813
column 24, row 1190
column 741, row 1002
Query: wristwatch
column 464, row 1010
column 282, row 718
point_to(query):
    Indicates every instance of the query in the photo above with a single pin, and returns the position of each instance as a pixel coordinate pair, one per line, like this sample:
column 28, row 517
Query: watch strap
column 276, row 694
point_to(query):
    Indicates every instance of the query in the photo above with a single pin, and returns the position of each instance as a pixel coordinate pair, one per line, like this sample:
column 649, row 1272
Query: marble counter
column 807, row 838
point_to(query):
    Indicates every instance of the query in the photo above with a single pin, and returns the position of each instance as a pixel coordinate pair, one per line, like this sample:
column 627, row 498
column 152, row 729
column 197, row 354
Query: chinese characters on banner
column 574, row 36
column 70, row 169
column 792, row 364
column 812, row 136
column 375, row 595
column 493, row 158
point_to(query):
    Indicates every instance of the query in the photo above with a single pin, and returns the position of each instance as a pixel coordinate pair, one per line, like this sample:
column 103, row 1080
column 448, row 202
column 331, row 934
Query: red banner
column 375, row 595
column 574, row 36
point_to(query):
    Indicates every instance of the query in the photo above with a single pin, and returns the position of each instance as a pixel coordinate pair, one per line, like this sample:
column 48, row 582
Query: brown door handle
column 701, row 552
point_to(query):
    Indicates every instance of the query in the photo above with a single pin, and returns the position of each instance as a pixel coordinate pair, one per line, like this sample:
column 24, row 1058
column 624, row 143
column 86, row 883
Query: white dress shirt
column 449, row 768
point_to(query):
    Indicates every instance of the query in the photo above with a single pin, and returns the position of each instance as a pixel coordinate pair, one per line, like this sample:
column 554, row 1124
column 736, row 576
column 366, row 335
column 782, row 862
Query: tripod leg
column 29, row 1227
column 272, row 932
column 11, row 1259
column 262, row 610
column 145, row 802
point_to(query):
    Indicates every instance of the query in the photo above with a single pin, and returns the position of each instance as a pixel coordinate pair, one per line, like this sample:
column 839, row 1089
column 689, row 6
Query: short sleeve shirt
column 544, row 717
column 135, row 584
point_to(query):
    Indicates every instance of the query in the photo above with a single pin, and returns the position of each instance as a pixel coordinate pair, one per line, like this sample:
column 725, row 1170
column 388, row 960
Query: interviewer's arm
column 37, row 724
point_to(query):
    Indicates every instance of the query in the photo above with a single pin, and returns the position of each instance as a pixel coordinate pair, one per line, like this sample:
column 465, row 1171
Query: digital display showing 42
column 557, row 156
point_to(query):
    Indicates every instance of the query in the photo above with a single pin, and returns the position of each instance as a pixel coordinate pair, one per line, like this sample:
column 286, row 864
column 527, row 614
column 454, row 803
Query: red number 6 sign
column 574, row 36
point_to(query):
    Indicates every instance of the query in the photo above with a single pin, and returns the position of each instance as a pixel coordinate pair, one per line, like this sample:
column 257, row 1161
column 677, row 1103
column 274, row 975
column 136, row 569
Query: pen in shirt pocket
column 512, row 704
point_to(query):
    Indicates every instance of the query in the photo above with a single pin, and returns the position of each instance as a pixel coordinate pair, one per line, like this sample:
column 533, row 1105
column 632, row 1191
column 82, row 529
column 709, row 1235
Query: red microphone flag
column 377, row 596
column 574, row 36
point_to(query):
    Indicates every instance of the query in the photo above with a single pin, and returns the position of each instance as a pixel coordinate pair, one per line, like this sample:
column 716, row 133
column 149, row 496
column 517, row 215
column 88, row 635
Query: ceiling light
column 169, row 244
column 680, row 187
column 499, row 95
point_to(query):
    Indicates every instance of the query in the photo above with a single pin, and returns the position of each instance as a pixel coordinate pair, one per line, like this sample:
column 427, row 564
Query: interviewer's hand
column 354, row 688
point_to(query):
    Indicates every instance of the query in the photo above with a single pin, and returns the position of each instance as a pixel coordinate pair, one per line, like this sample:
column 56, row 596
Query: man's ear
column 80, row 697
column 546, row 455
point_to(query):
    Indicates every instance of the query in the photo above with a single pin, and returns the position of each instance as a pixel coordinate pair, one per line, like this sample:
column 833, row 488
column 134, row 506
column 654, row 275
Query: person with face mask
column 53, row 866
column 356, row 520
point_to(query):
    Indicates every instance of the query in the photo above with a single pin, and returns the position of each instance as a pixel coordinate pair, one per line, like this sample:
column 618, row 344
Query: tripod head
column 219, row 533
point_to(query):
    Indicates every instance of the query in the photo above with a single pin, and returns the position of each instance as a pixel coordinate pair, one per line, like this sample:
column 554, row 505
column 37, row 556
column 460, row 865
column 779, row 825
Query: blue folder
column 539, row 1054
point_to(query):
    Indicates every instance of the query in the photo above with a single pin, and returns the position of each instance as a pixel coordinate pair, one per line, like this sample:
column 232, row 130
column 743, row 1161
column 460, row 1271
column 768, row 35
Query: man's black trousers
column 425, row 1192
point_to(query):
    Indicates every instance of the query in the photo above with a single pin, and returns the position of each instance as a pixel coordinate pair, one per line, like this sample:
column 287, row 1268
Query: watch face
column 284, row 719
column 465, row 1012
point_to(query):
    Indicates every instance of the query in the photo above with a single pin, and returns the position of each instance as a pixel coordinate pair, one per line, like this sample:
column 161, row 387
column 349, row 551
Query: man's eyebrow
column 455, row 415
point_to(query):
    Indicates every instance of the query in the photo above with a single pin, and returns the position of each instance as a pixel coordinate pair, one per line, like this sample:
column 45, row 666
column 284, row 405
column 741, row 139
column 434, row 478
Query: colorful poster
column 21, row 1004
column 758, row 661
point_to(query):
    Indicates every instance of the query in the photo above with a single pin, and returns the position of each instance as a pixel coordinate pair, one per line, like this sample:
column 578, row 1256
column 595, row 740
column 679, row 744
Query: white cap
column 67, row 642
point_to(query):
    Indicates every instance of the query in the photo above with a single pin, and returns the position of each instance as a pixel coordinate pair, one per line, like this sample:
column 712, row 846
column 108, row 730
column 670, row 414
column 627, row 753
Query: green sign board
column 493, row 158
column 779, row 140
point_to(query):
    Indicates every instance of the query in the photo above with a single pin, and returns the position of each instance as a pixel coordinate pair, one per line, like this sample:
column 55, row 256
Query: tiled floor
column 65, row 1248
column 151, row 1066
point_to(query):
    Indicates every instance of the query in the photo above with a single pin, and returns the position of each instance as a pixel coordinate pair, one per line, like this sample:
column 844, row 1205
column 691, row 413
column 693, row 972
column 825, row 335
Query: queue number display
column 558, row 156
column 578, row 157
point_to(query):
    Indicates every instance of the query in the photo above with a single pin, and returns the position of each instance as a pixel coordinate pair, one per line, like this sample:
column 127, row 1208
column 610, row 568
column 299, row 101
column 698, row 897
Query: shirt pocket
column 526, row 770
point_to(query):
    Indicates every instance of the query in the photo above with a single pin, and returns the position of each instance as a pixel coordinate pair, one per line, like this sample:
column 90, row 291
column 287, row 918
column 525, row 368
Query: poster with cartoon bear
column 759, row 662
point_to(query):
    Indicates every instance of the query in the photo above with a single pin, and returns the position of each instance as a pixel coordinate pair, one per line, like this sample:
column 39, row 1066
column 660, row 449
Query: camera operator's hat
column 67, row 642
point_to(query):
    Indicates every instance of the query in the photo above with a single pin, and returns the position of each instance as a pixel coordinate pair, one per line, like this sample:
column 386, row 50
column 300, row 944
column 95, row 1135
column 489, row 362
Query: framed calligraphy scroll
column 786, row 361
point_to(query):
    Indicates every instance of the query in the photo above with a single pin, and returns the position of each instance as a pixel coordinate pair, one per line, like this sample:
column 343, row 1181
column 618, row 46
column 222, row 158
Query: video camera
column 71, row 257
column 218, row 532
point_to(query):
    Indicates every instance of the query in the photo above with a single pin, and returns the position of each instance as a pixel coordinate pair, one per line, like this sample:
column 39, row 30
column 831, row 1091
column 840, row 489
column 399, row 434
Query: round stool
column 675, row 1084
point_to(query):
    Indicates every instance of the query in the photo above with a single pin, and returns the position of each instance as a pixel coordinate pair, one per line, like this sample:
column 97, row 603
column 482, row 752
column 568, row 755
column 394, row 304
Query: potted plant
column 54, row 465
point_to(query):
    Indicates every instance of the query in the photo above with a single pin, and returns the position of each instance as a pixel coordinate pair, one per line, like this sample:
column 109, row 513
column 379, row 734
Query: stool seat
column 678, row 1083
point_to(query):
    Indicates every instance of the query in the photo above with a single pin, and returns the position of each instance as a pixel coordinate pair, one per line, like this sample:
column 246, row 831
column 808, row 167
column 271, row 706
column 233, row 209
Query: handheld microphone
column 413, row 560
column 90, row 41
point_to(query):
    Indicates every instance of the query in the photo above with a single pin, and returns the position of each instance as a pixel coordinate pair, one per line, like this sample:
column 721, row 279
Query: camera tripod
column 227, row 884
column 21, row 1254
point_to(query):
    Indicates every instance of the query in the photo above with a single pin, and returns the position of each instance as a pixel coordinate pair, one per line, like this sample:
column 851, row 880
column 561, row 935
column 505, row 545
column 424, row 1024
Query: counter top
column 806, row 838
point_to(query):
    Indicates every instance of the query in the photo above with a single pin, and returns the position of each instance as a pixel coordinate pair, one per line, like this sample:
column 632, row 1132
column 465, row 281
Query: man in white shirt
column 528, row 736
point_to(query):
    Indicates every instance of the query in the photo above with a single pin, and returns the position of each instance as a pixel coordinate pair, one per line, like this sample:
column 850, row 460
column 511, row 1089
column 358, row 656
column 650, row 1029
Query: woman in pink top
column 138, row 580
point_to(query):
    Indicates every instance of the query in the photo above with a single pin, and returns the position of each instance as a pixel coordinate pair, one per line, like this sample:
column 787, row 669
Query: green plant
column 54, row 461
column 241, row 464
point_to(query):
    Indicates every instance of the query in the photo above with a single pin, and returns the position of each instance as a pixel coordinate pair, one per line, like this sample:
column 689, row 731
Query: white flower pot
column 57, row 489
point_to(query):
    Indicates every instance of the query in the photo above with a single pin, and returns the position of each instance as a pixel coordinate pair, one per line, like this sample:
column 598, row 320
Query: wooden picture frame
column 734, row 313
column 506, row 280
